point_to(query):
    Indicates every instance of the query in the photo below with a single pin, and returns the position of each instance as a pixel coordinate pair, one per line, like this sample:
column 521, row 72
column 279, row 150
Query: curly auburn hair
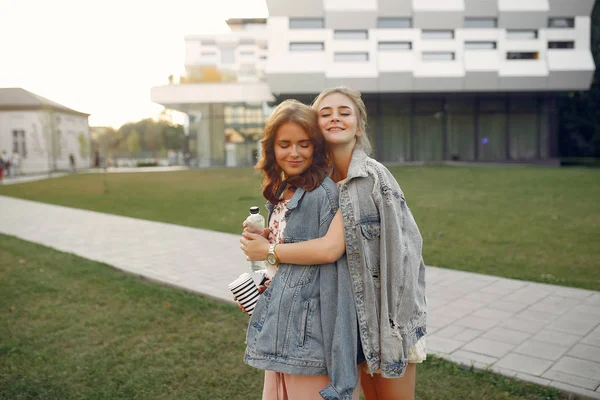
column 304, row 116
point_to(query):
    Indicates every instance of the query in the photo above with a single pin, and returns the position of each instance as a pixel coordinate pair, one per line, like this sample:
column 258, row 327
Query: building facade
column 43, row 133
column 462, row 80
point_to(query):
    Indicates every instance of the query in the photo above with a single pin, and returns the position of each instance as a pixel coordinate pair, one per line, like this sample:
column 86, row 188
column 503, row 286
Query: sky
column 103, row 57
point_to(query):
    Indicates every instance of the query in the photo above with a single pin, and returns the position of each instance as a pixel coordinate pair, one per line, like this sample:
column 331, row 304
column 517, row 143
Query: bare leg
column 377, row 387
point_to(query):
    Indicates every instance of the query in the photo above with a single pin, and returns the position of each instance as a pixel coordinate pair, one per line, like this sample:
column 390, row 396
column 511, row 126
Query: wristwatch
column 272, row 258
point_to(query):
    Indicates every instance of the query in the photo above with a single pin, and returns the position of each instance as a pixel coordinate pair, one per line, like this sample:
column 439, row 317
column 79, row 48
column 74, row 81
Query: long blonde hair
column 362, row 140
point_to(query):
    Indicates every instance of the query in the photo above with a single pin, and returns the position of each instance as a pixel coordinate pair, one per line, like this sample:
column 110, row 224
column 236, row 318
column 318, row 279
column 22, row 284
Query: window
column 561, row 23
column 19, row 146
column 350, row 35
column 561, row 45
column 522, row 55
column 247, row 41
column 263, row 57
column 208, row 42
column 438, row 56
column 307, row 46
column 307, row 23
column 481, row 22
column 228, row 56
column 351, row 57
column 395, row 46
column 208, row 53
column 521, row 34
column 246, row 53
column 475, row 45
column 436, row 34
column 395, row 22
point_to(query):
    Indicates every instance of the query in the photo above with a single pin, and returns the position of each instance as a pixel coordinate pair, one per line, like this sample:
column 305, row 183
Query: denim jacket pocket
column 371, row 230
column 299, row 275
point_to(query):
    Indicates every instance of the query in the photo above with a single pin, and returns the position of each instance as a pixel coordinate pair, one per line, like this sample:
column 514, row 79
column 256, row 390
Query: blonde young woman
column 383, row 246
column 303, row 331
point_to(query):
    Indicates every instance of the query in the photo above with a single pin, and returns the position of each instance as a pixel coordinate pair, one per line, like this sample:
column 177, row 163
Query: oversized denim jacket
column 305, row 322
column 383, row 246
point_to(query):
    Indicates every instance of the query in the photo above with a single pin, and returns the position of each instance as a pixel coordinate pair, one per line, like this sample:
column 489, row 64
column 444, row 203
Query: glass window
column 395, row 46
column 438, row 56
column 351, row 57
column 394, row 22
column 395, row 130
column 481, row 22
column 307, row 46
column 307, row 23
column 521, row 34
column 246, row 53
column 492, row 137
column 208, row 53
column 476, row 45
column 350, row 34
column 208, row 42
column 561, row 45
column 523, row 135
column 522, row 55
column 247, row 41
column 437, row 34
column 561, row 23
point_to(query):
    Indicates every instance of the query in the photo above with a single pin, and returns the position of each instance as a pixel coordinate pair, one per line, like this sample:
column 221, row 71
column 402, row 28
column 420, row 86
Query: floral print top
column 276, row 228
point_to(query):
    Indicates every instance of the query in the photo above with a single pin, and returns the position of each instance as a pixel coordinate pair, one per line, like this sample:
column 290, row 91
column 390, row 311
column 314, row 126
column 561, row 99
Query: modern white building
column 43, row 133
column 223, row 93
column 465, row 80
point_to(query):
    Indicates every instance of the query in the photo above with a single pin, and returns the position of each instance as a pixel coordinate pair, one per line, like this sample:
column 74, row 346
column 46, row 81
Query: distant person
column 15, row 164
column 2, row 155
column 97, row 159
column 72, row 162
column 7, row 165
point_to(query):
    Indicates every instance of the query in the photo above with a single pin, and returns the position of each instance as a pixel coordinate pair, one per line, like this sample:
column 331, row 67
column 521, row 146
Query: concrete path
column 541, row 333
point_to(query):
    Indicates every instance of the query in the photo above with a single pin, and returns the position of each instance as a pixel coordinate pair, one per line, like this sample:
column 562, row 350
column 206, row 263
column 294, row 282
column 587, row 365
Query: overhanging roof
column 17, row 99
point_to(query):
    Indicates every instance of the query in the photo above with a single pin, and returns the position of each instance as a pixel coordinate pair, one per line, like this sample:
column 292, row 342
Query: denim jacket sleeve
column 341, row 335
column 403, row 272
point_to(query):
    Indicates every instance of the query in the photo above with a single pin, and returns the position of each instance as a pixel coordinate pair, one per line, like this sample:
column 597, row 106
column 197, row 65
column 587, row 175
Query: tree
column 133, row 142
column 579, row 129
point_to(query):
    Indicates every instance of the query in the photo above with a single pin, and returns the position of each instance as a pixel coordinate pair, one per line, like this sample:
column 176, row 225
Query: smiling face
column 293, row 149
column 338, row 119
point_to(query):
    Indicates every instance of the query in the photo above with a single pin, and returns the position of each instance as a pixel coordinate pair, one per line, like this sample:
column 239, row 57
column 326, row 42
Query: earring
column 282, row 176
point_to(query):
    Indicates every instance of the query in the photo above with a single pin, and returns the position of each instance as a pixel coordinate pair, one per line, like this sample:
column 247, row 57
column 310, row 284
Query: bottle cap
column 254, row 210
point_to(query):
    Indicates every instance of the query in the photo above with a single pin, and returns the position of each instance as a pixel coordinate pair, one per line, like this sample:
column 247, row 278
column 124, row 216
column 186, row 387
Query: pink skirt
column 280, row 386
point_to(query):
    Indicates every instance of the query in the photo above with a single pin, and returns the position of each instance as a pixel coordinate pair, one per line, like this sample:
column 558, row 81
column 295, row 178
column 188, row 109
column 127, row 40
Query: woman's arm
column 325, row 250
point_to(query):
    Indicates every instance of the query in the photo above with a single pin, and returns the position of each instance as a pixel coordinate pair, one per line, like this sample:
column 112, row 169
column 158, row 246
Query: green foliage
column 84, row 146
column 133, row 142
column 77, row 329
column 579, row 134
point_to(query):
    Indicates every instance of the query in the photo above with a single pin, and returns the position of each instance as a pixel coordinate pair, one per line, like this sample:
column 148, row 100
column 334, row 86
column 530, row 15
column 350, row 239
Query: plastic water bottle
column 256, row 223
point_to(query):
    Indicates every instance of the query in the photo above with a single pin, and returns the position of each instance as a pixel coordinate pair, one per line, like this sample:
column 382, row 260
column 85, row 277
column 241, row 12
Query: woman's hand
column 249, row 229
column 255, row 246
column 261, row 289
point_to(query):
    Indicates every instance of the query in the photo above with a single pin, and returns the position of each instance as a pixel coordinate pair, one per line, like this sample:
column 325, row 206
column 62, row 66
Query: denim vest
column 383, row 247
column 305, row 322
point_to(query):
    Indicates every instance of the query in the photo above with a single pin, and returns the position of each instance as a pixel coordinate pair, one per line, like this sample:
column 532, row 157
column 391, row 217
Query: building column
column 200, row 124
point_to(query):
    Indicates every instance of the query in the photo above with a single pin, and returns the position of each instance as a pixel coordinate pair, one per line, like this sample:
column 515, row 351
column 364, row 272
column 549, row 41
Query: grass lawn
column 71, row 328
column 534, row 223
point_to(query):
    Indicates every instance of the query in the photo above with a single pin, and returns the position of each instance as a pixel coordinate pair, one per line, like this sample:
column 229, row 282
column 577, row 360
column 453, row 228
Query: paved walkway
column 545, row 334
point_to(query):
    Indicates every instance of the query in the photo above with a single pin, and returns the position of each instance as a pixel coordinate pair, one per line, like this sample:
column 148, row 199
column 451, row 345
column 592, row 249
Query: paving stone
column 522, row 363
column 573, row 293
column 522, row 325
column 450, row 331
column 490, row 313
column 588, row 394
column 533, row 379
column 552, row 306
column 593, row 338
column 442, row 345
column 574, row 380
column 476, row 323
column 485, row 360
column 504, row 335
column 534, row 315
column 507, row 306
column 577, row 324
column 468, row 334
column 548, row 351
column 593, row 299
column 559, row 338
column 488, row 347
column 482, row 297
column 586, row 352
column 579, row 367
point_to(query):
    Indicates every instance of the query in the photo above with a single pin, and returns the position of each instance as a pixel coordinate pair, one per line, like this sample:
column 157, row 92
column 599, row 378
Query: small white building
column 42, row 132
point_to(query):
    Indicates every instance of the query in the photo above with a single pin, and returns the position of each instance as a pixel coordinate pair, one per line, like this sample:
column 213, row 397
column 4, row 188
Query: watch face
column 272, row 259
